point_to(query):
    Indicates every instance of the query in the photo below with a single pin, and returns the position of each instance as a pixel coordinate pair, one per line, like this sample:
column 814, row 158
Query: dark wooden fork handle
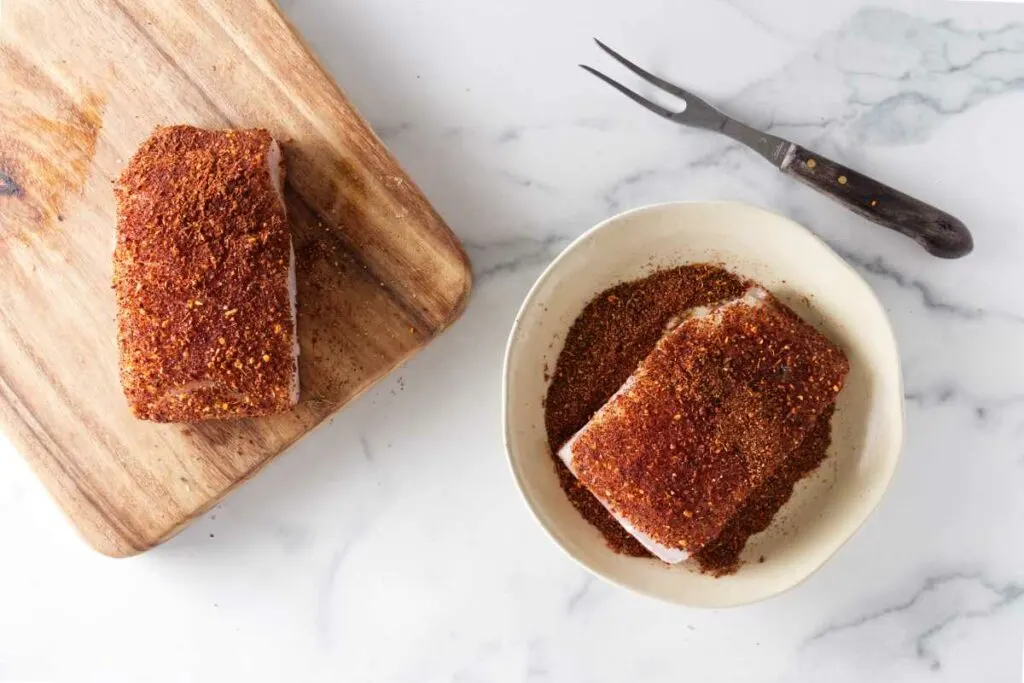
column 938, row 232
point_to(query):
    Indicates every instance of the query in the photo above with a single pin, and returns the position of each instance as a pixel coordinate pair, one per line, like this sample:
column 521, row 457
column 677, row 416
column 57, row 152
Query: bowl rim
column 877, row 493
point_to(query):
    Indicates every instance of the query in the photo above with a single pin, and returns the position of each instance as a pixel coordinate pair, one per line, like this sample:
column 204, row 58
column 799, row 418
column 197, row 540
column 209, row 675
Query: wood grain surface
column 83, row 83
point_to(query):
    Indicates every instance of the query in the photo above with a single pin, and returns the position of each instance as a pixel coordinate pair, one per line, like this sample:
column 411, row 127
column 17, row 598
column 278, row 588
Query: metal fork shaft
column 697, row 112
column 771, row 147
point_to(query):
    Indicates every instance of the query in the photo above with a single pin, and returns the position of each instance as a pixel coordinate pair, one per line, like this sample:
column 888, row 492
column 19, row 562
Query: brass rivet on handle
column 842, row 180
column 811, row 163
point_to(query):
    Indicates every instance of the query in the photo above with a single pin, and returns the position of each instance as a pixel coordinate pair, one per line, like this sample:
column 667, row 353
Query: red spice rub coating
column 722, row 555
column 715, row 410
column 615, row 331
column 201, row 275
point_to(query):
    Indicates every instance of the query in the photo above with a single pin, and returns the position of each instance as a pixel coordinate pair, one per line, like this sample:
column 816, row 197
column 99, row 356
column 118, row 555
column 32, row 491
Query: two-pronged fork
column 938, row 232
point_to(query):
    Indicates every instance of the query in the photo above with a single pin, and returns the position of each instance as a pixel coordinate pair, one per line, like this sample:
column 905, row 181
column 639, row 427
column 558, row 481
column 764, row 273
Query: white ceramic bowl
column 867, row 430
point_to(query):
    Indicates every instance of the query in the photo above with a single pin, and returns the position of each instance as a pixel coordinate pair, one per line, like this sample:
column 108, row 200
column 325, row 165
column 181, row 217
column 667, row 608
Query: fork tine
column 657, row 109
column 647, row 76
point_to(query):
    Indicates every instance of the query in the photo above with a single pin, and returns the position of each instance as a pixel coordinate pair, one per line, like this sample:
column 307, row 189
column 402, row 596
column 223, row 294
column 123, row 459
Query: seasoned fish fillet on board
column 204, row 274
column 708, row 416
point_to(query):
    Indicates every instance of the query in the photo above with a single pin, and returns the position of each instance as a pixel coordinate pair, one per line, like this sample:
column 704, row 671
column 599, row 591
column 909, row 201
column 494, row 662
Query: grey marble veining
column 392, row 546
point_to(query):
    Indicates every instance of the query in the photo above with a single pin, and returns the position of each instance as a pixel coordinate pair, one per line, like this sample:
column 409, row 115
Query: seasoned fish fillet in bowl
column 808, row 280
column 724, row 400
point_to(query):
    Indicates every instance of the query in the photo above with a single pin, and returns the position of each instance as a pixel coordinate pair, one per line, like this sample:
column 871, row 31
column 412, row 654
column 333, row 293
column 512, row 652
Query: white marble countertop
column 393, row 546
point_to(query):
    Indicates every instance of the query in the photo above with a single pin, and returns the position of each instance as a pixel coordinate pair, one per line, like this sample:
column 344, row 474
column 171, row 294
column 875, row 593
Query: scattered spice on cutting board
column 617, row 330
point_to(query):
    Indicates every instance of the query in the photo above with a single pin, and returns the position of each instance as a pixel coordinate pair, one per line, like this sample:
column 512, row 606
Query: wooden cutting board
column 81, row 85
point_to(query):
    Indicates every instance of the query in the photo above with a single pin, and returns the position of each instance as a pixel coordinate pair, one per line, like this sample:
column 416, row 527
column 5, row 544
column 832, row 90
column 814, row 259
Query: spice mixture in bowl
column 814, row 466
column 722, row 403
